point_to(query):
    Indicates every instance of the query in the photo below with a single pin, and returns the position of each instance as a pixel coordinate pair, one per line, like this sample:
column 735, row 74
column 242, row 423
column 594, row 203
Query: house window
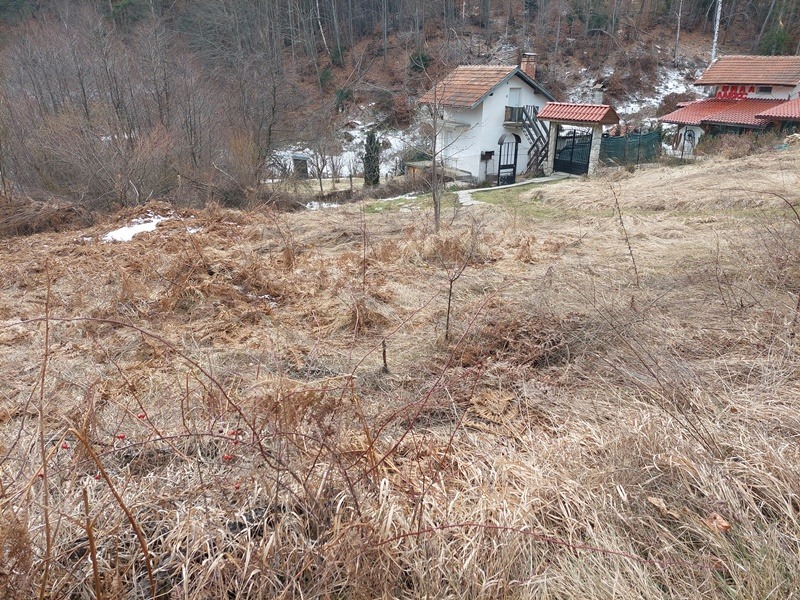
column 765, row 89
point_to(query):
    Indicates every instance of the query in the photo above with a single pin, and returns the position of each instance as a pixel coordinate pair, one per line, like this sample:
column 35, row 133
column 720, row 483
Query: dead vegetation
column 259, row 405
column 25, row 216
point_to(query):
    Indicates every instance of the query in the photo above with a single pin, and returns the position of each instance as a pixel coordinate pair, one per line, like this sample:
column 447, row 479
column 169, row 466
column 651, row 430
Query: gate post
column 551, row 148
column 594, row 152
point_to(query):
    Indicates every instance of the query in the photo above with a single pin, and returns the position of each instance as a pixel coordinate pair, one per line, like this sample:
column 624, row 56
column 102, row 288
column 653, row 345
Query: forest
column 110, row 103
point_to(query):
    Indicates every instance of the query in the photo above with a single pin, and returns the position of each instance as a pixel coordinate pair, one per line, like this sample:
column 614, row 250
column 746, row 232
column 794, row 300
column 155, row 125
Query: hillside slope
column 610, row 411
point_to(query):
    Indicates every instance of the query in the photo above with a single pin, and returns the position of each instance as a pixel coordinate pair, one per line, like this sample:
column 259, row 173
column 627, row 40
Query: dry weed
column 214, row 403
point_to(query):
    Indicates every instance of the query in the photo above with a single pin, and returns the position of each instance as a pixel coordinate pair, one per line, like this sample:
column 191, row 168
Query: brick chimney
column 528, row 64
column 598, row 92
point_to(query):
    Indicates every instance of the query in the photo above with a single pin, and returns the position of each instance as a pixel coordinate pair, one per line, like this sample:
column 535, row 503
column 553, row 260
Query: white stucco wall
column 462, row 145
column 685, row 144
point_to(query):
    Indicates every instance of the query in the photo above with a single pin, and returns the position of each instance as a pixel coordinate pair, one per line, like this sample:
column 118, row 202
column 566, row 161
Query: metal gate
column 572, row 151
column 507, row 165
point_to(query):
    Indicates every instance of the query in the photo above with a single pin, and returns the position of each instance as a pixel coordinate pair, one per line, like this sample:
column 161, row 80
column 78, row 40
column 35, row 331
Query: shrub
column 419, row 61
column 670, row 102
column 372, row 159
column 342, row 96
column 733, row 145
column 325, row 77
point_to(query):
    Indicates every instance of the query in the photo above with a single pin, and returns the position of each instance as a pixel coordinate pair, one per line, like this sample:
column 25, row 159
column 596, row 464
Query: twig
column 131, row 519
column 98, row 594
column 45, row 484
column 625, row 233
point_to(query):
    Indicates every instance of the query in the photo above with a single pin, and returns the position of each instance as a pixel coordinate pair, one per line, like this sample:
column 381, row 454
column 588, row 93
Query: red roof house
column 747, row 93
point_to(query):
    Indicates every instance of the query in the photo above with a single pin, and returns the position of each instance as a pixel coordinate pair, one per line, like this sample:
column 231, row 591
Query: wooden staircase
column 538, row 137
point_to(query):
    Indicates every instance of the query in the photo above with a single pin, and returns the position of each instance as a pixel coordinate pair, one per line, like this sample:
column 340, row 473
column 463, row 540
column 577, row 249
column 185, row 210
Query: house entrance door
column 507, row 163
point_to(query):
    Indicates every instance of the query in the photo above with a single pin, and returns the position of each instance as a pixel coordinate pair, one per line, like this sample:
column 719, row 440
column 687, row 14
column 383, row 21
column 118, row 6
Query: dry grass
column 25, row 216
column 207, row 415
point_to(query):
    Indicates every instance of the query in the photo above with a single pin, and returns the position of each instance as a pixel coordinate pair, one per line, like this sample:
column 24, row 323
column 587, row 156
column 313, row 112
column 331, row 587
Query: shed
column 300, row 165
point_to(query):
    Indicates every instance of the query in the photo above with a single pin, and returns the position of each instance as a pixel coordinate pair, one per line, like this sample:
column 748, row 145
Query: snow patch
column 352, row 137
column 314, row 205
column 409, row 196
column 138, row 225
column 670, row 80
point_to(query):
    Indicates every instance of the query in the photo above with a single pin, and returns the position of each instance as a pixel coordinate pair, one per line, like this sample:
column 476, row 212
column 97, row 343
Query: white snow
column 142, row 224
column 350, row 160
column 409, row 196
column 139, row 225
column 314, row 205
column 670, row 80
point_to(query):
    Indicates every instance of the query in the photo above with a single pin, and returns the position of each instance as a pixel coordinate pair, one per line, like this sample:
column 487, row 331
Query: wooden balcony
column 514, row 116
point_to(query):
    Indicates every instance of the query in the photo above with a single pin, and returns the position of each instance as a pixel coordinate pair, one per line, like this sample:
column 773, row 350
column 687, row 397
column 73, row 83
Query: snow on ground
column 670, row 81
column 314, row 205
column 352, row 138
column 139, row 225
column 637, row 106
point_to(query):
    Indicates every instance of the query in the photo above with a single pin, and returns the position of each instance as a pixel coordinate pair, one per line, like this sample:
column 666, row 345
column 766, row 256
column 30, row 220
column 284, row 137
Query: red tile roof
column 579, row 113
column 756, row 70
column 723, row 112
column 788, row 111
column 466, row 85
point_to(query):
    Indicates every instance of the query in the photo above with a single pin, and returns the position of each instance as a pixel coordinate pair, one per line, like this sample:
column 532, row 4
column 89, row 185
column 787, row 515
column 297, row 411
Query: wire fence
column 634, row 148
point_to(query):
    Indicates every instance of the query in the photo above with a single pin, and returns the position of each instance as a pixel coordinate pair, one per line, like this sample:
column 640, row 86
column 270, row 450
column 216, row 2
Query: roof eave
column 730, row 124
column 666, row 119
column 522, row 75
column 700, row 83
column 533, row 83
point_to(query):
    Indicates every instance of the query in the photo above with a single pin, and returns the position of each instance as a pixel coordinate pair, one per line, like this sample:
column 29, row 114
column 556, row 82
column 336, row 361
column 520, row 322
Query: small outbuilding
column 300, row 165
column 576, row 131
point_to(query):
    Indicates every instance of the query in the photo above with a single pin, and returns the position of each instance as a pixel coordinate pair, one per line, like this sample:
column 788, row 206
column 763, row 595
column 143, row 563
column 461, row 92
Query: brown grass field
column 611, row 412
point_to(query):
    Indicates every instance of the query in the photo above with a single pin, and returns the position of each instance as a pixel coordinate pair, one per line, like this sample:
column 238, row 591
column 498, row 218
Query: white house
column 747, row 93
column 486, row 124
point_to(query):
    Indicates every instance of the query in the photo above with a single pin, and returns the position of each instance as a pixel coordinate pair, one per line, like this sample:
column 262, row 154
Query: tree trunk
column 678, row 32
column 764, row 26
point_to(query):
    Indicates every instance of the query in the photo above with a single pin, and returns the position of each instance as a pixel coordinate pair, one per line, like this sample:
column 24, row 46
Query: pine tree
column 372, row 159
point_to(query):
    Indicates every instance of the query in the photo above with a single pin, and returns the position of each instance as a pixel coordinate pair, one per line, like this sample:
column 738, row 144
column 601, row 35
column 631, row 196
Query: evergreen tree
column 372, row 159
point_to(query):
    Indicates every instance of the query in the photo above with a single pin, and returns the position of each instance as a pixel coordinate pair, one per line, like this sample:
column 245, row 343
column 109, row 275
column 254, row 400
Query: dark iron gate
column 507, row 164
column 572, row 152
